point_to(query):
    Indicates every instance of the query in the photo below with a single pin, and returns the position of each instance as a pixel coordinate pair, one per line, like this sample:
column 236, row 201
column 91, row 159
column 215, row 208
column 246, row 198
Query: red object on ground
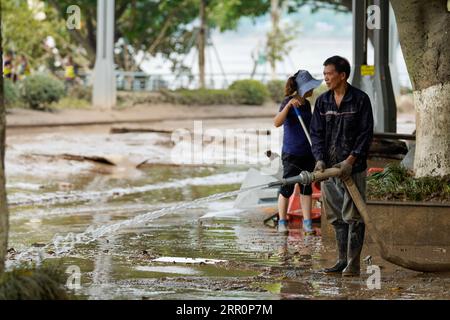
column 295, row 209
column 374, row 170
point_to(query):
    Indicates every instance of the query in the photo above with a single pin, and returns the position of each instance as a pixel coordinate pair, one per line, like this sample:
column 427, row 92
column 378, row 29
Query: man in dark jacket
column 341, row 134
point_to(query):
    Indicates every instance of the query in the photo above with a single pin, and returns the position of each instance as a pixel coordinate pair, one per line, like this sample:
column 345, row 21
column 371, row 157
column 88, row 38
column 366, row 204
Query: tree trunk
column 425, row 39
column 4, row 225
column 275, row 17
column 201, row 44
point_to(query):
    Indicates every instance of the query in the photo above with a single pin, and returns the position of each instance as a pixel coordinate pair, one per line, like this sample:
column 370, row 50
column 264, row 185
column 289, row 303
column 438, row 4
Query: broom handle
column 305, row 130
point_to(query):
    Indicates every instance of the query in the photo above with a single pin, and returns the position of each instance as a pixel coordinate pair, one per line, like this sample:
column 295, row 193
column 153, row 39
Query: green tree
column 279, row 37
column 25, row 33
column 226, row 15
column 141, row 26
column 167, row 27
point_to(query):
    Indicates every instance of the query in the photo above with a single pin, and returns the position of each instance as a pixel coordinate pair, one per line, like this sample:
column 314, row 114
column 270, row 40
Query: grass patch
column 27, row 283
column 397, row 183
column 71, row 103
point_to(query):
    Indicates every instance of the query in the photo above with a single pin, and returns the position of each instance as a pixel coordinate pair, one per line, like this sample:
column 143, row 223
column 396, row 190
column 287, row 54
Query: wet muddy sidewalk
column 210, row 251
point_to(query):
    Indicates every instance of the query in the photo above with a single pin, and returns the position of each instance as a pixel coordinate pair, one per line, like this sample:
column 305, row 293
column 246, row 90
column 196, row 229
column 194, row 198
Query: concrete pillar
column 359, row 42
column 104, row 93
column 386, row 112
column 378, row 85
column 394, row 44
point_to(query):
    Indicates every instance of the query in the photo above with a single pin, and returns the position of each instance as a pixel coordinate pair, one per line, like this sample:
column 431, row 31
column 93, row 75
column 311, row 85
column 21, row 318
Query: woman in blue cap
column 296, row 152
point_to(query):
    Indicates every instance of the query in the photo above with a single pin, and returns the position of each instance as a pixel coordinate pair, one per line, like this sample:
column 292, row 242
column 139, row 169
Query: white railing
column 140, row 81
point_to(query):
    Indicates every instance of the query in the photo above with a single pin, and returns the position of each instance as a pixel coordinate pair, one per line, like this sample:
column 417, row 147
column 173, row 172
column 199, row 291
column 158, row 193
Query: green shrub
column 11, row 93
column 198, row 97
column 26, row 283
column 40, row 90
column 251, row 92
column 276, row 90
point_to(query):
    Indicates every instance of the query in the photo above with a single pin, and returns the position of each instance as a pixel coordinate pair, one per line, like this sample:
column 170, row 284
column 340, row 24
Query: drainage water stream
column 63, row 244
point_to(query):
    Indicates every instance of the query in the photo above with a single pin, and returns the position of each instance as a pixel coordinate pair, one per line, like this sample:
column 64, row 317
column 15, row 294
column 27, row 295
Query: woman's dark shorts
column 292, row 166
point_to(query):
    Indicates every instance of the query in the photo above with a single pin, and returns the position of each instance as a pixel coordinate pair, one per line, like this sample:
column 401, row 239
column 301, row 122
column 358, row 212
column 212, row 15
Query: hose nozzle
column 304, row 178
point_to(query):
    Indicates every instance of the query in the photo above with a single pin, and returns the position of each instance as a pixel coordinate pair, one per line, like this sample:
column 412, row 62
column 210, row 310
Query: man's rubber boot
column 341, row 231
column 355, row 243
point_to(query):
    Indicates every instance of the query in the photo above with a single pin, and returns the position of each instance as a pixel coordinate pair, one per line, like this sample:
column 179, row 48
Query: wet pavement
column 210, row 251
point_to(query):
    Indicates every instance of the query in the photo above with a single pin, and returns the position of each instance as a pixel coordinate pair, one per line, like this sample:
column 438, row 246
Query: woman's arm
column 281, row 116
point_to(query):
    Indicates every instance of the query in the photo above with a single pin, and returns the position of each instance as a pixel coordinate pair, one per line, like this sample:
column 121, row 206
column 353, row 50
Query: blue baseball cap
column 305, row 82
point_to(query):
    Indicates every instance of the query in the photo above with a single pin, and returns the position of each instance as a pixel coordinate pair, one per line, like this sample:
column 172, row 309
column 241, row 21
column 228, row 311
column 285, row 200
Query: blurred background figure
column 23, row 68
column 69, row 73
column 8, row 65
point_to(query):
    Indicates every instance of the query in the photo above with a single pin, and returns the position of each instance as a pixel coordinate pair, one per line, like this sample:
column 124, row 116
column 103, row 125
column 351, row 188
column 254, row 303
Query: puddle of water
column 187, row 260
column 67, row 197
column 169, row 269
